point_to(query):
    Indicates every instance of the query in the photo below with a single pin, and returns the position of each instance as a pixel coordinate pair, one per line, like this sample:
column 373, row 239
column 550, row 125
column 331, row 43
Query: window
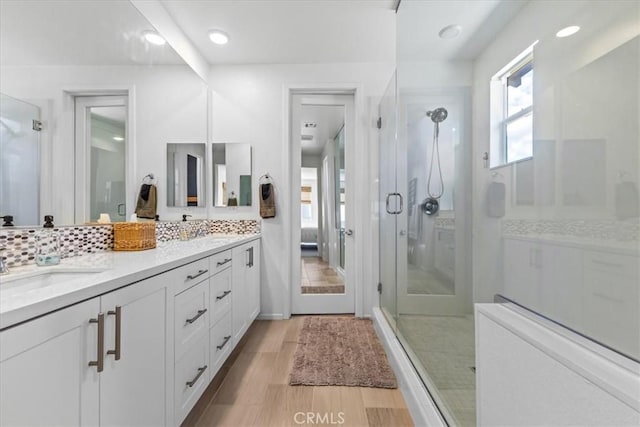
column 512, row 111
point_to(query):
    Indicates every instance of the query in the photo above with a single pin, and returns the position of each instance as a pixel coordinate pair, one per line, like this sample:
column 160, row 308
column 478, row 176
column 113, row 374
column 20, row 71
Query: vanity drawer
column 190, row 274
column 221, row 341
column 220, row 295
column 220, row 261
column 191, row 316
column 192, row 376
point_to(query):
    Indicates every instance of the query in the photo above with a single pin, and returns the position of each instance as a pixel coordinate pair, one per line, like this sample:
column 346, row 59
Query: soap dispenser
column 184, row 228
column 47, row 244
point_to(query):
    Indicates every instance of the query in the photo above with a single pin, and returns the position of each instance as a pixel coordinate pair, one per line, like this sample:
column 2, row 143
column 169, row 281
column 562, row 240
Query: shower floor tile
column 445, row 347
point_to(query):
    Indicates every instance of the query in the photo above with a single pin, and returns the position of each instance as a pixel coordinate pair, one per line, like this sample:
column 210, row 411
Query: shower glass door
column 388, row 202
column 19, row 161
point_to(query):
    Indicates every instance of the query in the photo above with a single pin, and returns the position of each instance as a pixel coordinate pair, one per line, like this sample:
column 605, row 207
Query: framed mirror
column 231, row 174
column 186, row 164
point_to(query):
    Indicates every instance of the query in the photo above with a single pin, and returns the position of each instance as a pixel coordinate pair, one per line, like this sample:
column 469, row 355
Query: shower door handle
column 387, row 203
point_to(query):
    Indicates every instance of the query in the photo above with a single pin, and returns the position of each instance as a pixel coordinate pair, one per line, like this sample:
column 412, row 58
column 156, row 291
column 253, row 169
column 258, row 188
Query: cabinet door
column 45, row 377
column 133, row 388
column 239, row 301
column 253, row 279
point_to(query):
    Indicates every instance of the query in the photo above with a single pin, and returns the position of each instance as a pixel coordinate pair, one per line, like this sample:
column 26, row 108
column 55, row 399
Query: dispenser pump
column 48, row 221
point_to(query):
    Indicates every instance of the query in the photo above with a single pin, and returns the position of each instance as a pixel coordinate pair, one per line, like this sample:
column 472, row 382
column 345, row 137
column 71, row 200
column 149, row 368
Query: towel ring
column 265, row 179
column 149, row 179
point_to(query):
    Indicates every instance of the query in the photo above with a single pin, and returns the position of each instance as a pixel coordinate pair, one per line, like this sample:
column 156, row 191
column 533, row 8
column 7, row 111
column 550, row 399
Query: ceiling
column 290, row 31
column 420, row 21
column 77, row 32
column 328, row 119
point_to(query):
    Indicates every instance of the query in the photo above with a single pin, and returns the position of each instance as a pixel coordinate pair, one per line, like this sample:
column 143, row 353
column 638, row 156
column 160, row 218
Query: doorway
column 322, row 138
column 101, row 157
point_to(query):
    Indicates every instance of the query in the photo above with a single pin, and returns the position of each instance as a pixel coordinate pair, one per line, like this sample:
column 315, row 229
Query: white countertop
column 622, row 247
column 21, row 302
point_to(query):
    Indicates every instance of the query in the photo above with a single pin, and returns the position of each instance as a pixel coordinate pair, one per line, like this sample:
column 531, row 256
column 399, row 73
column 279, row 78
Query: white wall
column 571, row 92
column 248, row 106
column 170, row 105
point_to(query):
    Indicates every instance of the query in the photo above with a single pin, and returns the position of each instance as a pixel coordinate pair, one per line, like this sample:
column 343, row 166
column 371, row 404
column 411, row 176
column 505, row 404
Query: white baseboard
column 270, row 316
column 421, row 407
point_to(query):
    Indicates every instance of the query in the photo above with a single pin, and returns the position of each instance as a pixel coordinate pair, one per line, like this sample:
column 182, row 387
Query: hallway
column 252, row 389
column 318, row 278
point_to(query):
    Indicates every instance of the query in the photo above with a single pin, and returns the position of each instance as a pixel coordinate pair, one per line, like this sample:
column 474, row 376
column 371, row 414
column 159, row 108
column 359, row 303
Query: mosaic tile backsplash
column 19, row 244
column 628, row 230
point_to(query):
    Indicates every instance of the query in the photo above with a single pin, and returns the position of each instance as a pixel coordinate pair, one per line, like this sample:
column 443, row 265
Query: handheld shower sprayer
column 431, row 205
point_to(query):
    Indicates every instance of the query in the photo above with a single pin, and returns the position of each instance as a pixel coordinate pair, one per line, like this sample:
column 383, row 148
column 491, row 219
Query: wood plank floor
column 252, row 389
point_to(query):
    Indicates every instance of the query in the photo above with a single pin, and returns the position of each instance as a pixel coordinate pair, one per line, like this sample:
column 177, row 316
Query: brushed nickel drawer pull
column 226, row 260
column 193, row 276
column 100, row 362
column 226, row 340
column 200, row 372
column 197, row 316
column 118, row 314
column 224, row 294
column 250, row 262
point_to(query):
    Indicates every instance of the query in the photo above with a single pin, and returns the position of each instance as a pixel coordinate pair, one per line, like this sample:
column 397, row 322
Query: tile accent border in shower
column 19, row 244
column 626, row 231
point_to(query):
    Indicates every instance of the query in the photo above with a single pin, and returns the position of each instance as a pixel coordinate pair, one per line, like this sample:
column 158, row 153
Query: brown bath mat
column 340, row 351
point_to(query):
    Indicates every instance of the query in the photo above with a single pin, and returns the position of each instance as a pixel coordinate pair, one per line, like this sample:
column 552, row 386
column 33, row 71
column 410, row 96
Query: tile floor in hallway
column 445, row 346
column 318, row 278
column 252, row 389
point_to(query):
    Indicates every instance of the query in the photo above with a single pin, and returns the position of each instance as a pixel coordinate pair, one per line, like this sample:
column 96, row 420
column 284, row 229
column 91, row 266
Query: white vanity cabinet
column 246, row 287
column 140, row 354
column 94, row 363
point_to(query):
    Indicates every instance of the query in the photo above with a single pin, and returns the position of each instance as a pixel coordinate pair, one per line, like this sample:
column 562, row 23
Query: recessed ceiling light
column 568, row 31
column 118, row 138
column 153, row 37
column 218, row 37
column 450, row 31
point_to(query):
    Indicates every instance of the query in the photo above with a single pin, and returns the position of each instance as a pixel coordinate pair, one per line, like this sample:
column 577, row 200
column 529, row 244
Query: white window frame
column 499, row 118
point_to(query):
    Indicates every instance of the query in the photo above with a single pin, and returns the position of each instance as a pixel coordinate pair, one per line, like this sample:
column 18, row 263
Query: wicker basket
column 134, row 236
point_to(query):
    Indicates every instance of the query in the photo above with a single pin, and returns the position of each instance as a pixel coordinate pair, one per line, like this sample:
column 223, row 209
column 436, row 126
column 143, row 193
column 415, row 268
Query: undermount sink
column 45, row 276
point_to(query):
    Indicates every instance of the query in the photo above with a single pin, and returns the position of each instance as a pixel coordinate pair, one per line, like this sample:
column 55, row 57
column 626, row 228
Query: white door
column 45, row 377
column 133, row 385
column 339, row 177
column 101, row 157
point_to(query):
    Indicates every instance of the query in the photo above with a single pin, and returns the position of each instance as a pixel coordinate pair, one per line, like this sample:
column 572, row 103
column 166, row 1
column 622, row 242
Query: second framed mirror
column 231, row 174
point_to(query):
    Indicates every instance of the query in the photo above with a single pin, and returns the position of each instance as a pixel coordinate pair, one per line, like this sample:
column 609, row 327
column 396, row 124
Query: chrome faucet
column 3, row 267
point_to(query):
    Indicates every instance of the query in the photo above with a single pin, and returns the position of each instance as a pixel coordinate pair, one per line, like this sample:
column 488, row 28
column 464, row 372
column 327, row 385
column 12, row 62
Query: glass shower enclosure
column 424, row 250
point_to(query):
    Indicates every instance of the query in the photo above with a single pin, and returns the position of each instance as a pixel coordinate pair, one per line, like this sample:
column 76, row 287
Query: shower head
column 438, row 115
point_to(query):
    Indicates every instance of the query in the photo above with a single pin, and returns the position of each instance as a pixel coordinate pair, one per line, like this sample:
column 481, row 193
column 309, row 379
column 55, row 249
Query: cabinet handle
column 200, row 372
column 224, row 294
column 197, row 316
column 100, row 362
column 224, row 342
column 193, row 276
column 250, row 251
column 226, row 260
column 118, row 314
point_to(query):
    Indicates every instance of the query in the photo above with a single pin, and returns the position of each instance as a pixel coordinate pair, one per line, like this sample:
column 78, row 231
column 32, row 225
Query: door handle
column 118, row 314
column 197, row 316
column 199, row 273
column 197, row 377
column 250, row 252
column 224, row 342
column 349, row 232
column 224, row 294
column 401, row 203
column 121, row 213
column 99, row 364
